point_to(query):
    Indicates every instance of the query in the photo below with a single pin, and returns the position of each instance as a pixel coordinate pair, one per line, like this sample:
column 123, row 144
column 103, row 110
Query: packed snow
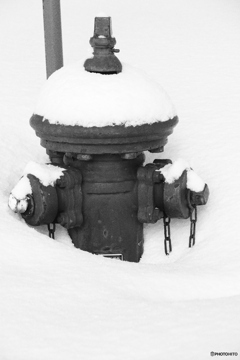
column 129, row 98
column 58, row 302
column 172, row 172
column 18, row 198
column 22, row 188
column 194, row 182
column 46, row 173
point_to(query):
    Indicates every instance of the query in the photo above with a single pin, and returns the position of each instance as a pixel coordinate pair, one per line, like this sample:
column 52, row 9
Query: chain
column 193, row 220
column 167, row 235
column 51, row 230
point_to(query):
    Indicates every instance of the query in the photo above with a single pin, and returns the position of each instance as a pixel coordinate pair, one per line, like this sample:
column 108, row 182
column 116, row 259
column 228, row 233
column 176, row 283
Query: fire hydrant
column 104, row 194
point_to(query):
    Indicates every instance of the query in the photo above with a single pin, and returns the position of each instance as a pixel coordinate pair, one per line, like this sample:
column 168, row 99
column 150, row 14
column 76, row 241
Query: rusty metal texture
column 61, row 203
column 116, row 139
column 201, row 197
column 147, row 211
column 43, row 207
column 157, row 198
column 110, row 205
column 175, row 198
column 70, row 198
column 103, row 201
column 104, row 61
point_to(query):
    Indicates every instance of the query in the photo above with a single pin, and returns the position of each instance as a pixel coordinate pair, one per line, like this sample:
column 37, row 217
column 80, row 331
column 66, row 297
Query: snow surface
column 172, row 172
column 58, row 302
column 129, row 98
column 22, row 188
column 46, row 173
column 18, row 198
column 194, row 182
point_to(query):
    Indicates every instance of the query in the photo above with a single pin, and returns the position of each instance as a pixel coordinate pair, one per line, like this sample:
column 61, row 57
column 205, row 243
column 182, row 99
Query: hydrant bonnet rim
column 116, row 139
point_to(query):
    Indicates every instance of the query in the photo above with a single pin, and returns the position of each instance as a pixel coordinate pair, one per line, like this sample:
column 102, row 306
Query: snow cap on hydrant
column 95, row 119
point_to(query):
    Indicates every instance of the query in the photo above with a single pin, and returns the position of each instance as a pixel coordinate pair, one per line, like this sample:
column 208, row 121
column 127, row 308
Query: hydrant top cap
column 73, row 96
column 104, row 60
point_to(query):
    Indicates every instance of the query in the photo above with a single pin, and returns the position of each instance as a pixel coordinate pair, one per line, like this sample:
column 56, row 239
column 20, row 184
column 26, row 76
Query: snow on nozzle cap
column 104, row 61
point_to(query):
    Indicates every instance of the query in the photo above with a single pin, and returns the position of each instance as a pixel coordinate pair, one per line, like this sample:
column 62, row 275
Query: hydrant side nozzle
column 57, row 203
column 30, row 207
column 175, row 198
column 43, row 203
column 155, row 194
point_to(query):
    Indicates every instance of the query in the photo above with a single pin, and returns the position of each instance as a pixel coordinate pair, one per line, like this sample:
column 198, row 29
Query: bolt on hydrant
column 102, row 193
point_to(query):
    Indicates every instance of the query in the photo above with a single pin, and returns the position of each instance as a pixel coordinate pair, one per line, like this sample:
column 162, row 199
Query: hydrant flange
column 116, row 139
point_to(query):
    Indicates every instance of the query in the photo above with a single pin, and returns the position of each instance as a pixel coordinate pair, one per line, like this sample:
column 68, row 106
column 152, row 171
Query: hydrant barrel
column 110, row 207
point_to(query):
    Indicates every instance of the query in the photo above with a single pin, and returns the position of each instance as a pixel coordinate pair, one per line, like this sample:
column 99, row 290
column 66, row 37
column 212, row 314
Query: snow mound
column 73, row 96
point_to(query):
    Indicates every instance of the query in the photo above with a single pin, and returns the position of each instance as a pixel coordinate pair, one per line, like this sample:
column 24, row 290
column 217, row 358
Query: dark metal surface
column 167, row 235
column 110, row 224
column 147, row 210
column 175, row 198
column 51, row 230
column 118, row 139
column 104, row 61
column 70, row 198
column 43, row 207
column 52, row 35
column 201, row 197
column 193, row 223
column 157, row 198
column 56, row 204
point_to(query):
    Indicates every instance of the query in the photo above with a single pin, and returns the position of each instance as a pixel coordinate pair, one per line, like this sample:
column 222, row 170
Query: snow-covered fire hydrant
column 95, row 120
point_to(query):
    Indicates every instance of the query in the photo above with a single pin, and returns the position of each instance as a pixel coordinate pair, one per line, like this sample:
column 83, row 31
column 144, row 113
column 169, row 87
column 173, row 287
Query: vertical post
column 52, row 35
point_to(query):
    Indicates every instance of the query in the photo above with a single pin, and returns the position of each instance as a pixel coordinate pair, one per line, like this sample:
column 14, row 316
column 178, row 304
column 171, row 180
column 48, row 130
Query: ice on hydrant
column 172, row 172
column 18, row 199
column 194, row 182
column 46, row 173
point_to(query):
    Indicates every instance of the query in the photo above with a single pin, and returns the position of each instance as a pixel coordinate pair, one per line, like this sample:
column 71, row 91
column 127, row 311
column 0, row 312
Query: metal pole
column 52, row 35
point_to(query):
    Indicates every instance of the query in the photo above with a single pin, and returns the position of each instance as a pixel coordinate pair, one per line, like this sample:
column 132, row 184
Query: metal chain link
column 167, row 235
column 193, row 221
column 51, row 230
